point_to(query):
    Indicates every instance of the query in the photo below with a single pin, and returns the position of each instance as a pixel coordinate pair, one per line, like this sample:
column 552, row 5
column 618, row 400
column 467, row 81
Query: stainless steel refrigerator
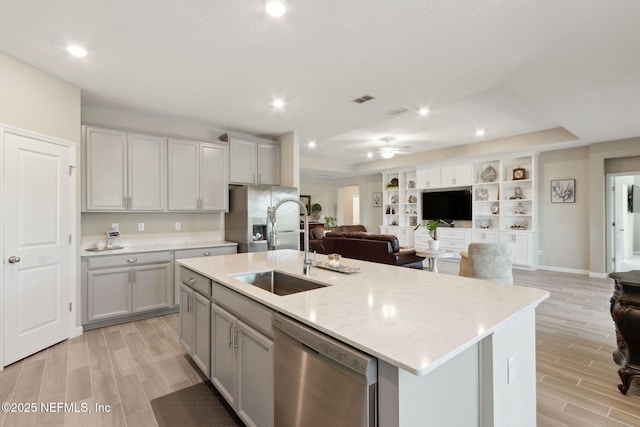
column 247, row 221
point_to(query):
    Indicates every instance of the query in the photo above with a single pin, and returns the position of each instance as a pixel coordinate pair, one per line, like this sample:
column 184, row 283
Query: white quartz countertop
column 153, row 247
column 415, row 320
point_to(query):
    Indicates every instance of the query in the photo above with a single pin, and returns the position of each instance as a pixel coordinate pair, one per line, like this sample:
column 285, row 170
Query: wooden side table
column 625, row 311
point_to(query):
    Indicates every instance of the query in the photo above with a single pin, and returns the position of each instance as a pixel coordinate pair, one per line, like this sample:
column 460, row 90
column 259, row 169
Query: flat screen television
column 447, row 205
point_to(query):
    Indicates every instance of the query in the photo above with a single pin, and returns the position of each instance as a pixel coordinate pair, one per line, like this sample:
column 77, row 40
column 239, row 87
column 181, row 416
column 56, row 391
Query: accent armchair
column 488, row 261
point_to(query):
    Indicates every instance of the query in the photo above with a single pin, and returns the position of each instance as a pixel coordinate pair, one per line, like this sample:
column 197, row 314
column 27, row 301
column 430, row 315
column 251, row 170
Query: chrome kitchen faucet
column 271, row 211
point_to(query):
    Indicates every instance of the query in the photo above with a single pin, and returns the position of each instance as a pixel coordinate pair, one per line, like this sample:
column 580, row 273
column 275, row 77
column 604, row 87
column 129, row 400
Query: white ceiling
column 510, row 67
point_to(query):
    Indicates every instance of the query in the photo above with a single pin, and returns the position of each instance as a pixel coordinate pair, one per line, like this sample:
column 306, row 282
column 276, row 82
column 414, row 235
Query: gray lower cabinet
column 230, row 337
column 242, row 367
column 195, row 326
column 126, row 285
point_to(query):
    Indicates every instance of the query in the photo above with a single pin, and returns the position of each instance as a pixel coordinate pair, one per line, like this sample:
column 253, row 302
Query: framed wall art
column 377, row 200
column 563, row 191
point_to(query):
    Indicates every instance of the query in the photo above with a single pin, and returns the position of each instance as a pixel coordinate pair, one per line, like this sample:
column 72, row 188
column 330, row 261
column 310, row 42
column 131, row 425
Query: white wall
column 325, row 192
column 290, row 160
column 564, row 227
column 322, row 191
column 37, row 101
column 345, row 203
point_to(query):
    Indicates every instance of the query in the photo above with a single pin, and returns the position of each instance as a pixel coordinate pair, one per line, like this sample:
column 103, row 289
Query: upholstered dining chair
column 488, row 261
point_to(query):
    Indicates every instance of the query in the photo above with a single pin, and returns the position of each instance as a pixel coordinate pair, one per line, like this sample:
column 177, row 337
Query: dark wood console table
column 625, row 311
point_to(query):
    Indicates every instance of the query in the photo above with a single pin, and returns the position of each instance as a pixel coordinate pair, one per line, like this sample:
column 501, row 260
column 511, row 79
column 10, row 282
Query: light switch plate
column 141, row 226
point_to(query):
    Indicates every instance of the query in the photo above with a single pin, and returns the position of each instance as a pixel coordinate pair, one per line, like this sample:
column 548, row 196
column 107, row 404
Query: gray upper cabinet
column 124, row 171
column 253, row 161
column 198, row 176
column 268, row 163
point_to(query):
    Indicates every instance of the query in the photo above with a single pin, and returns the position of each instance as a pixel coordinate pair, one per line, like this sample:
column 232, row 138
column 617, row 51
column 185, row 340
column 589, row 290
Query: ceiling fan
column 388, row 151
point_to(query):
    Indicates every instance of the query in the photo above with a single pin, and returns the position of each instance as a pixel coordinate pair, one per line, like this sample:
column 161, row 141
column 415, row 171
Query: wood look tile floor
column 128, row 365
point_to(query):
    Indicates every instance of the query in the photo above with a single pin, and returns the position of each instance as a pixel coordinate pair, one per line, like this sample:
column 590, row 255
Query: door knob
column 14, row 259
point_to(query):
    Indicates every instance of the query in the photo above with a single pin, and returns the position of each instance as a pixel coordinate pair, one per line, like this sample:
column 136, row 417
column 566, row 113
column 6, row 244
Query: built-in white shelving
column 504, row 205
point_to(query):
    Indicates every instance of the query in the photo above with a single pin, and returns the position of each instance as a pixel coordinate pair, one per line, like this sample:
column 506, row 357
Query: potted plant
column 432, row 229
column 330, row 222
column 316, row 208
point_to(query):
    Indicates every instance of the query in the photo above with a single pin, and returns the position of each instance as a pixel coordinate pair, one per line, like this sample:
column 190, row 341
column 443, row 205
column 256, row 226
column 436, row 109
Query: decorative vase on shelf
column 434, row 245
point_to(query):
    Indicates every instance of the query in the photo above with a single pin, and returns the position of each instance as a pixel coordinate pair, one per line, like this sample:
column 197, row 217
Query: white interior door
column 36, row 247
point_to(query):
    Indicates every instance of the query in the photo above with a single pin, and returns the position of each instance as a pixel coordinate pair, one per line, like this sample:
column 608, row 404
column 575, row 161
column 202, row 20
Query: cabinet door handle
column 236, row 342
column 206, row 253
column 130, row 260
column 190, row 302
column 133, row 276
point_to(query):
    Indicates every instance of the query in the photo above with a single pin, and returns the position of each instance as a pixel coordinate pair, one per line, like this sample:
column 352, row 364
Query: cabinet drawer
column 459, row 245
column 253, row 313
column 202, row 252
column 450, row 233
column 130, row 259
column 484, row 237
column 196, row 281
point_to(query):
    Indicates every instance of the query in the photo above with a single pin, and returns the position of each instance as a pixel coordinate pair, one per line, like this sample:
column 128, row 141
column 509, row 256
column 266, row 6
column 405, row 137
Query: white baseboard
column 565, row 270
column 598, row 275
column 77, row 332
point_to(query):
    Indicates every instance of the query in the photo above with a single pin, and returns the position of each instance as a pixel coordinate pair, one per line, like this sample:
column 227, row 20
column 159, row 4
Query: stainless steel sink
column 278, row 283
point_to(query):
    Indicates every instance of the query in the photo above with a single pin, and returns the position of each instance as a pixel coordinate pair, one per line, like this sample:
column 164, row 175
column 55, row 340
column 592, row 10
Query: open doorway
column 623, row 225
column 348, row 211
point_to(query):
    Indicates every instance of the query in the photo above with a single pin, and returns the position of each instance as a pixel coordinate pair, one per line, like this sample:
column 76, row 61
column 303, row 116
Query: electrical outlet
column 115, row 227
column 511, row 368
column 141, row 226
column 178, row 226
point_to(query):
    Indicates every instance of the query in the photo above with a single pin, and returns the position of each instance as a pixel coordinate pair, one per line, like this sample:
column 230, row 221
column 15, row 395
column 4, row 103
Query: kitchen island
column 451, row 350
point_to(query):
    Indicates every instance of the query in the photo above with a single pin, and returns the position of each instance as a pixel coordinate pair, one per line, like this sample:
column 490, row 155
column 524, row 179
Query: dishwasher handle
column 329, row 347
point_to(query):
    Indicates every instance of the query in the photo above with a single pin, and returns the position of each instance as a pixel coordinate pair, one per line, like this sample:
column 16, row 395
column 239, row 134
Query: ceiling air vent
column 363, row 99
column 397, row 111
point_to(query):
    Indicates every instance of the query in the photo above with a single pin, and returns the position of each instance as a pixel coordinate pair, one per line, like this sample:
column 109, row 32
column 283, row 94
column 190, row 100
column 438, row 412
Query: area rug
column 195, row 406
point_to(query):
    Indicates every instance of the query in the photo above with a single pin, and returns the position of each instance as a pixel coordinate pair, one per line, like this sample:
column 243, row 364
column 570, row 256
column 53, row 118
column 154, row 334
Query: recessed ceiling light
column 76, row 50
column 312, row 144
column 480, row 132
column 278, row 103
column 275, row 7
column 423, row 111
column 369, row 155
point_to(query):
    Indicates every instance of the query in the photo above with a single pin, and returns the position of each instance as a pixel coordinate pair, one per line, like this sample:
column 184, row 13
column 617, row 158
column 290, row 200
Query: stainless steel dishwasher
column 319, row 381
